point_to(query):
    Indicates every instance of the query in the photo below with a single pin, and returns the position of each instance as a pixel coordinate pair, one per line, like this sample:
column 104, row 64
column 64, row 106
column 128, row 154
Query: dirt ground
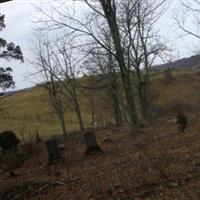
column 158, row 164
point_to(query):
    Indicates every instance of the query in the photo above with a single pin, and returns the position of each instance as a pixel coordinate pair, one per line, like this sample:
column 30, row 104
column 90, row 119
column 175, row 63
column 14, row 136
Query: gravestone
column 90, row 142
column 53, row 151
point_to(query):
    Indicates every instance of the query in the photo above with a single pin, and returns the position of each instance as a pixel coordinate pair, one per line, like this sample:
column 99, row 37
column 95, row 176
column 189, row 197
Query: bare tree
column 56, row 62
column 103, row 64
column 68, row 70
column 47, row 67
column 110, row 13
column 87, row 27
column 142, row 44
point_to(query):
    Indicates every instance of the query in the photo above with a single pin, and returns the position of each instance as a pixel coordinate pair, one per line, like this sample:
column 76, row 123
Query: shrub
column 8, row 140
column 181, row 122
column 182, row 106
column 10, row 161
column 168, row 77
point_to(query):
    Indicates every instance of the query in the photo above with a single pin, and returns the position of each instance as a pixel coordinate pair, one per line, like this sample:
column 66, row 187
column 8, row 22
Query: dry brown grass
column 30, row 112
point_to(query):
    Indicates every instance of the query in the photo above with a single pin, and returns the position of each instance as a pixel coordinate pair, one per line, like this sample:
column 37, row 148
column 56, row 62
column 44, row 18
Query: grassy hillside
column 184, row 89
column 30, row 111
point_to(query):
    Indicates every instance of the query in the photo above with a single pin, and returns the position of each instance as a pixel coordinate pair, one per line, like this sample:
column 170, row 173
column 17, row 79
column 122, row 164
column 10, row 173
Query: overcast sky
column 19, row 29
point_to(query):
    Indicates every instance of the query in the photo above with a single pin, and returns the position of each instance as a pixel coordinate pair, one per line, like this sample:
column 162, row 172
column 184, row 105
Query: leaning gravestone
column 90, row 142
column 53, row 151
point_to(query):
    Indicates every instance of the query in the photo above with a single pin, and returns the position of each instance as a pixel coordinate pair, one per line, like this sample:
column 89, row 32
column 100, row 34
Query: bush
column 182, row 106
column 168, row 77
column 8, row 141
column 182, row 122
column 10, row 161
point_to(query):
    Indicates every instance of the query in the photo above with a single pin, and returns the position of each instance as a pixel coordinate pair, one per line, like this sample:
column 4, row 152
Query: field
column 31, row 111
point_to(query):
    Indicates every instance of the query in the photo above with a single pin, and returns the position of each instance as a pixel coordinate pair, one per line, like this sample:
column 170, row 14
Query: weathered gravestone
column 90, row 142
column 53, row 151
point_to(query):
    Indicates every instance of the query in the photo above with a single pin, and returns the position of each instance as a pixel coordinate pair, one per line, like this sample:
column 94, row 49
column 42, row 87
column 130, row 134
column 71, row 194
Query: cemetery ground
column 159, row 163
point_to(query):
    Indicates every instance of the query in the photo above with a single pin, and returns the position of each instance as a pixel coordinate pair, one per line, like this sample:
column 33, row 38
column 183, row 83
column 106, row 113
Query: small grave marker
column 53, row 151
column 90, row 142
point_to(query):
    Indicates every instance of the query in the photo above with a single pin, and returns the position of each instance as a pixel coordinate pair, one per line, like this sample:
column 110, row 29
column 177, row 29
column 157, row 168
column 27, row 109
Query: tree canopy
column 8, row 51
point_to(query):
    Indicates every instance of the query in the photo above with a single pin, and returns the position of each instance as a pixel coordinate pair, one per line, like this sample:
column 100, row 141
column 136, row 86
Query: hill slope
column 29, row 111
column 183, row 64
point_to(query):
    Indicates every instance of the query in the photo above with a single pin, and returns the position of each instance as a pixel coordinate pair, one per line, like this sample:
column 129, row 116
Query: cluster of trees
column 114, row 39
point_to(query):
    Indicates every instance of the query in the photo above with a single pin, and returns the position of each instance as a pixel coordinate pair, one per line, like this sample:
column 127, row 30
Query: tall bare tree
column 68, row 63
column 142, row 44
column 86, row 26
column 103, row 64
column 45, row 65
column 110, row 13
column 55, row 60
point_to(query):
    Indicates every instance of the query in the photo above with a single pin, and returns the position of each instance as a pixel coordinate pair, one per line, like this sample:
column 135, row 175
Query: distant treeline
column 184, row 63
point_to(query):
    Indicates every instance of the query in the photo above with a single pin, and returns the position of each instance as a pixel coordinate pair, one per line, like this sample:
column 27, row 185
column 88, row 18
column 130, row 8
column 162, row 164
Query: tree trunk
column 123, row 109
column 146, row 97
column 78, row 114
column 116, row 107
column 62, row 123
column 76, row 106
column 145, row 100
column 92, row 112
column 109, row 11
